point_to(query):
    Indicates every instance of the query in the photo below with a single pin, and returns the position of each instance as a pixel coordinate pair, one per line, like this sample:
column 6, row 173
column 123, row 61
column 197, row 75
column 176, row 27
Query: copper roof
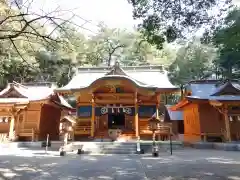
column 32, row 93
column 142, row 76
column 71, row 119
column 209, row 90
column 17, row 93
column 174, row 115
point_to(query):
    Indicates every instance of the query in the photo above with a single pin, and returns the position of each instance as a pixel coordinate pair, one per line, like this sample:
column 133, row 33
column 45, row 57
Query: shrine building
column 117, row 101
column 28, row 112
column 211, row 111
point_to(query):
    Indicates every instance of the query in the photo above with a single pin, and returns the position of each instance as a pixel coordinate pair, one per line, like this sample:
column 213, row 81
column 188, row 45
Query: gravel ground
column 183, row 164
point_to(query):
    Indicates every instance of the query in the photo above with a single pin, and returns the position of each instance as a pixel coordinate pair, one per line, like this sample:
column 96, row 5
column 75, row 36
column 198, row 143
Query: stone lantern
column 67, row 124
column 153, row 126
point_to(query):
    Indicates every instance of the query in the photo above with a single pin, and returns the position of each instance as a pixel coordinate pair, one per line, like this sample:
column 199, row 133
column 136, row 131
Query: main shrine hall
column 117, row 100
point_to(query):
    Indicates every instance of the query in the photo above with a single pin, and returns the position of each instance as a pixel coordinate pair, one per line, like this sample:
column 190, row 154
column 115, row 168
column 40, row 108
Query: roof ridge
column 18, row 84
column 125, row 68
column 209, row 81
column 109, row 67
column 223, row 87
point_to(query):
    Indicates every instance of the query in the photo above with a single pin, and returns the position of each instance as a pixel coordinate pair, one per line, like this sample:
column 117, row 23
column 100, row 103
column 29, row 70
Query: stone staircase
column 127, row 136
column 119, row 148
column 108, row 147
column 102, row 135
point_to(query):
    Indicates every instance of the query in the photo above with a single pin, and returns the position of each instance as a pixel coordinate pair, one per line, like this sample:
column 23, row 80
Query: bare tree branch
column 15, row 47
column 111, row 52
column 22, row 29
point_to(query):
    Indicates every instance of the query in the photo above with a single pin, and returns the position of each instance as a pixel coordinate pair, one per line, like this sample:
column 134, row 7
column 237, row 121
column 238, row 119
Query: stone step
column 117, row 152
column 102, row 140
column 109, row 147
column 96, row 147
column 118, row 147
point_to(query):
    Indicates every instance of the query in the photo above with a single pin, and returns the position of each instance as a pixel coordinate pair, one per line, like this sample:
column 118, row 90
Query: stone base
column 163, row 146
column 218, row 146
column 202, row 145
column 62, row 153
column 100, row 147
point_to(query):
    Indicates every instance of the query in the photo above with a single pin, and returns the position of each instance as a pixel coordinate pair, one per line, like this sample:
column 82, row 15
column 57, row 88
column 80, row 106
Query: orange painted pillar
column 17, row 125
column 11, row 128
column 157, row 111
column 227, row 125
column 136, row 116
column 93, row 117
column 157, row 106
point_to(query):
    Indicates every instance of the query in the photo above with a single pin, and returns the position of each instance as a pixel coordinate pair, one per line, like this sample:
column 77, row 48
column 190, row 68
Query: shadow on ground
column 184, row 164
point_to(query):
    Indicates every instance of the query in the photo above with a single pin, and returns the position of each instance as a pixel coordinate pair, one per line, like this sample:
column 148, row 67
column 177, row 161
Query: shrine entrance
column 116, row 121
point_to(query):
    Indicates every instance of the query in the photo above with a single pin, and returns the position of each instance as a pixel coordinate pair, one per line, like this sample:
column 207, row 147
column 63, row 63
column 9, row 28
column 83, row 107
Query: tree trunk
column 182, row 92
column 229, row 73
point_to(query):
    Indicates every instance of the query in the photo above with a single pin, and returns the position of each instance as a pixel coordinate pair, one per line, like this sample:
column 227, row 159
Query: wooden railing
column 222, row 134
column 163, row 128
column 145, row 129
column 82, row 130
column 29, row 133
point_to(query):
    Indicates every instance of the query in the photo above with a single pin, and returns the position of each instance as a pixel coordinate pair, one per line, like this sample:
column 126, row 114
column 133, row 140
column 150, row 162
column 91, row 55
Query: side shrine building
column 117, row 101
column 30, row 112
column 211, row 111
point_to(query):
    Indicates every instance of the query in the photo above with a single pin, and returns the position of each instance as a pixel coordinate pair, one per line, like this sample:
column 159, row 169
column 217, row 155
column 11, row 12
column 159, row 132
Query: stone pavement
column 184, row 164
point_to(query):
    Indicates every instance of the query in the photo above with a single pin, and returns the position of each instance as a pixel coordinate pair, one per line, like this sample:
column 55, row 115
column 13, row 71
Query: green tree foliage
column 53, row 67
column 24, row 30
column 168, row 20
column 193, row 62
column 23, row 36
column 127, row 47
column 47, row 48
column 226, row 38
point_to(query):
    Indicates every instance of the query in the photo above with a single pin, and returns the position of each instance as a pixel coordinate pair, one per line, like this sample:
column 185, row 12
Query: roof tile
column 147, row 76
column 206, row 90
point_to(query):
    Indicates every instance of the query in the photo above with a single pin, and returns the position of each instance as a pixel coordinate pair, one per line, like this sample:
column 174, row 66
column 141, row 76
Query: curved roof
column 143, row 76
column 17, row 93
column 71, row 119
column 174, row 115
column 213, row 91
column 32, row 93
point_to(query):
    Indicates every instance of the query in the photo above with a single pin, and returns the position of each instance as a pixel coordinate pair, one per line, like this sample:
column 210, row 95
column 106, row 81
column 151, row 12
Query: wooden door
column 103, row 125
